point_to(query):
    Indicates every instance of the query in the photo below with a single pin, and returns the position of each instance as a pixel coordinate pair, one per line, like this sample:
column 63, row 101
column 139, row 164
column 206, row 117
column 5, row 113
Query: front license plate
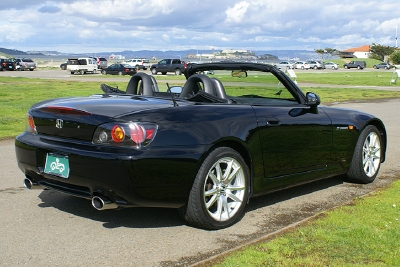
column 57, row 165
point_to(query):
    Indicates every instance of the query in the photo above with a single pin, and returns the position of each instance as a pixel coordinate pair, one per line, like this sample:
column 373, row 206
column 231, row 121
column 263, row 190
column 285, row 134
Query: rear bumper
column 135, row 179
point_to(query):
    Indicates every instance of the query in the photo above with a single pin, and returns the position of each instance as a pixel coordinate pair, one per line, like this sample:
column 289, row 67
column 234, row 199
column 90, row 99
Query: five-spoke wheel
column 367, row 156
column 220, row 191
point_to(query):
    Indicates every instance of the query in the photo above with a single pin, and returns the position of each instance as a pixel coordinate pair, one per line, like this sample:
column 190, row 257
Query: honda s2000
column 204, row 148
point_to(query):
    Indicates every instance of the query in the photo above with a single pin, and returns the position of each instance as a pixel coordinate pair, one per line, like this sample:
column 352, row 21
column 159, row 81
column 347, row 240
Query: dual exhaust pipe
column 103, row 203
column 98, row 202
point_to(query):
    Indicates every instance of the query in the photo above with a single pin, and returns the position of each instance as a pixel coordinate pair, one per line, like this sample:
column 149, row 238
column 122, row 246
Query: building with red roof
column 357, row 52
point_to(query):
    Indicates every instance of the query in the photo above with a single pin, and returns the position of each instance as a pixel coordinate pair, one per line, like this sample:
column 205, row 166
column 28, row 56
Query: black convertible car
column 205, row 147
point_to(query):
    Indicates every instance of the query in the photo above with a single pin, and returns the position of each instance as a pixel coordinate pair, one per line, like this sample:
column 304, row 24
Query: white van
column 82, row 65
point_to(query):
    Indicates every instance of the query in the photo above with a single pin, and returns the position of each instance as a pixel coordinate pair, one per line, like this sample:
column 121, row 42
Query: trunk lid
column 78, row 118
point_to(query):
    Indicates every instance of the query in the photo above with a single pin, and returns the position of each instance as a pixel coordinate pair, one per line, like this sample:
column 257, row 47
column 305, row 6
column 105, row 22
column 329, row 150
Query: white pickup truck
column 82, row 65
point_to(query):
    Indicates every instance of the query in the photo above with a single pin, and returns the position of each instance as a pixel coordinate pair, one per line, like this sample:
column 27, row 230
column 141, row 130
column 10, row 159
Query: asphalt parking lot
column 46, row 228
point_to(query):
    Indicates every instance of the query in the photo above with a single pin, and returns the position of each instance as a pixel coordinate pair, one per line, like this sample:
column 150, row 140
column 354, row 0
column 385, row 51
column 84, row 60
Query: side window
column 270, row 92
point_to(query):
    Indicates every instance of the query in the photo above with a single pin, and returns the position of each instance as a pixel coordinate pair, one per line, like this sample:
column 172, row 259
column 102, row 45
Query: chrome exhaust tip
column 103, row 203
column 29, row 184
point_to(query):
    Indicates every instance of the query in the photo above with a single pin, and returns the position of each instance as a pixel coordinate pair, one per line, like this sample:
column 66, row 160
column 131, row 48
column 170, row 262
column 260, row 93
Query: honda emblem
column 59, row 123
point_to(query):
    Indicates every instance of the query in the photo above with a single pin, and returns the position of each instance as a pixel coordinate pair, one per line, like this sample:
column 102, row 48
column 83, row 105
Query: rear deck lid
column 78, row 118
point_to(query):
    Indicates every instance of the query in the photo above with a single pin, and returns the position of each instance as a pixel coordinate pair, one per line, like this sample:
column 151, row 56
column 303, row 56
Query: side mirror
column 312, row 99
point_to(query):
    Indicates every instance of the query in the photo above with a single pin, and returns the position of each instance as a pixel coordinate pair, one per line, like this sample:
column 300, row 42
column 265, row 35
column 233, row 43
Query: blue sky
column 117, row 25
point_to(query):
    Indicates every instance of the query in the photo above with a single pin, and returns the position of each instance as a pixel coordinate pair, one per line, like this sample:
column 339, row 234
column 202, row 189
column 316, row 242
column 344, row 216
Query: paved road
column 46, row 228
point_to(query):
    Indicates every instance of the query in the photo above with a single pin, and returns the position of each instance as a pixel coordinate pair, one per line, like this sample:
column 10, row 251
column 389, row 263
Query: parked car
column 284, row 65
column 101, row 63
column 169, row 65
column 7, row 64
column 315, row 64
column 119, row 69
column 82, row 65
column 331, row 65
column 382, row 65
column 195, row 148
column 355, row 64
column 138, row 63
column 25, row 64
column 301, row 65
column 63, row 66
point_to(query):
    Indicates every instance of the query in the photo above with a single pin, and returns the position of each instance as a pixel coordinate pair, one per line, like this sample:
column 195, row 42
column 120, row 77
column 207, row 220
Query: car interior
column 200, row 88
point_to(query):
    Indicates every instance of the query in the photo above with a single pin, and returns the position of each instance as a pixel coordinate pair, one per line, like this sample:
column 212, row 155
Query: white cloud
column 166, row 38
column 165, row 25
column 236, row 13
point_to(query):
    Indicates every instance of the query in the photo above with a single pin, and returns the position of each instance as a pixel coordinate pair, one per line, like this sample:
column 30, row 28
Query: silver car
column 315, row 64
column 284, row 65
column 331, row 65
column 301, row 65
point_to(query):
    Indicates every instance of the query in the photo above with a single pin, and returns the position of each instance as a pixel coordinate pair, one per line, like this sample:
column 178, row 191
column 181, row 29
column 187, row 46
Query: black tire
column 120, row 73
column 346, row 67
column 103, row 72
column 154, row 71
column 178, row 72
column 216, row 202
column 315, row 67
column 367, row 156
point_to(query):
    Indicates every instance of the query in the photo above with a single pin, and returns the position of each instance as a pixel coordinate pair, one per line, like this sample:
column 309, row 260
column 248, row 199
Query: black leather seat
column 192, row 86
column 219, row 89
column 142, row 84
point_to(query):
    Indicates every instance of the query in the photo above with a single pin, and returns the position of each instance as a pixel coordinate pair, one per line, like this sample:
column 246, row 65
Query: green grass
column 367, row 78
column 364, row 234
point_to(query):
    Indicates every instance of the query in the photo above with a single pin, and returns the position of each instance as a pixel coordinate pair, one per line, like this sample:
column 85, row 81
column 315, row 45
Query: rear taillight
column 117, row 134
column 135, row 134
column 30, row 127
